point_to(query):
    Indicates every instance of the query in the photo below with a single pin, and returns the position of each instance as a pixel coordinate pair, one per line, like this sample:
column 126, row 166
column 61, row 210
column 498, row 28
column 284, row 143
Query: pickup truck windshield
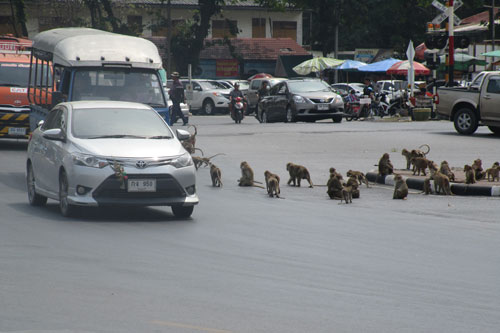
column 118, row 84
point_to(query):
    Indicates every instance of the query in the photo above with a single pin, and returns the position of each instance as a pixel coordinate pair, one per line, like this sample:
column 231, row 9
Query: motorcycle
column 238, row 110
column 379, row 105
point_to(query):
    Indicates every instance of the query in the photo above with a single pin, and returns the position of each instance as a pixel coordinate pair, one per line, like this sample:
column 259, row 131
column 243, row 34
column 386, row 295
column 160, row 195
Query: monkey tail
column 215, row 155
column 202, row 154
column 428, row 148
column 195, row 129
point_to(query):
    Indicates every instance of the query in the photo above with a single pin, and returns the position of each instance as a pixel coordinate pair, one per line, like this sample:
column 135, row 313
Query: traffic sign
column 445, row 13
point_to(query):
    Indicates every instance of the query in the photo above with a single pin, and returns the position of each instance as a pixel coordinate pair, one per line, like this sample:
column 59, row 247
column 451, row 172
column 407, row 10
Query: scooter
column 238, row 110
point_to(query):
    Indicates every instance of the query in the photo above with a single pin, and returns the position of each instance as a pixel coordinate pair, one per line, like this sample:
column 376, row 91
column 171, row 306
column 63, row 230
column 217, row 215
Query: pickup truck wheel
column 495, row 130
column 208, row 106
column 465, row 121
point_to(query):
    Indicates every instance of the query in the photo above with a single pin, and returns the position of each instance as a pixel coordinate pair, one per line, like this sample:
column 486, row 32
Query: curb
column 418, row 184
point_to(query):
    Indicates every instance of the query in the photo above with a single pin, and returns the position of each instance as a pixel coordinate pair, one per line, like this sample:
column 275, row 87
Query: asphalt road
column 248, row 263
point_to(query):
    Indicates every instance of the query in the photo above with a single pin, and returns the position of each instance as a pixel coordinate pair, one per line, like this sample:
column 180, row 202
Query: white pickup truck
column 469, row 107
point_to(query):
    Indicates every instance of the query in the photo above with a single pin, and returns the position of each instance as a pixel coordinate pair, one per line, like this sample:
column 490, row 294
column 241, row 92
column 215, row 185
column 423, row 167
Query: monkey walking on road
column 297, row 173
column 215, row 174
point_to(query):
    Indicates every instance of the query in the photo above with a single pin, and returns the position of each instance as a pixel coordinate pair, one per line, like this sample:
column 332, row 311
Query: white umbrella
column 316, row 65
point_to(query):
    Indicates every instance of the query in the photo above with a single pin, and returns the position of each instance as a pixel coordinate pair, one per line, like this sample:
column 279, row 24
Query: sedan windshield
column 307, row 86
column 118, row 123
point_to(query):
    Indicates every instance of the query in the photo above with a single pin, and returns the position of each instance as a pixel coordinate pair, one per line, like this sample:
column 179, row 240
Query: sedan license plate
column 323, row 107
column 141, row 185
column 17, row 131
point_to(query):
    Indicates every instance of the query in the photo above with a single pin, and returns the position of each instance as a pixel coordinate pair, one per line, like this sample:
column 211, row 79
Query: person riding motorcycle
column 235, row 93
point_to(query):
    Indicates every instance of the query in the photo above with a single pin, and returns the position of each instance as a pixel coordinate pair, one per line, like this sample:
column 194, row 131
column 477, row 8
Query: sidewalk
column 481, row 188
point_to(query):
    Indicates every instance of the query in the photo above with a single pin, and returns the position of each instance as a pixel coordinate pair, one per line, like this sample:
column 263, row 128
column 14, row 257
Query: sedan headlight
column 89, row 160
column 299, row 99
column 338, row 99
column 182, row 161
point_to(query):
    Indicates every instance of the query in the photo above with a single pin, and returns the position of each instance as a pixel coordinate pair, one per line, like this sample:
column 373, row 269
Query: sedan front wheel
column 65, row 207
column 34, row 198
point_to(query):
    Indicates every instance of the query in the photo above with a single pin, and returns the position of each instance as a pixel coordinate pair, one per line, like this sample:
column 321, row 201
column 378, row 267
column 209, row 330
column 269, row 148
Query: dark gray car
column 305, row 99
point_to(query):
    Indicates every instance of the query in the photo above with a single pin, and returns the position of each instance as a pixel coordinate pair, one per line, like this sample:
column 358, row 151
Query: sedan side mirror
column 182, row 134
column 55, row 134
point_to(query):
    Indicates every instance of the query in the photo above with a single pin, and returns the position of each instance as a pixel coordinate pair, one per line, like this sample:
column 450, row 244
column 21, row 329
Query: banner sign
column 226, row 68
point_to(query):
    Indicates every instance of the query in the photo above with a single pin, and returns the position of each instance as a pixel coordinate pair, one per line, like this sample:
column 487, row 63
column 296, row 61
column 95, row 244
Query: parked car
column 252, row 96
column 129, row 157
column 472, row 106
column 305, row 99
column 208, row 96
column 345, row 88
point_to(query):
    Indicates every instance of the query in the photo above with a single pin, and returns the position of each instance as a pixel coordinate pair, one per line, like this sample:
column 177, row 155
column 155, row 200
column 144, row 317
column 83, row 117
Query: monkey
column 192, row 137
column 346, row 194
column 190, row 148
column 470, row 176
column 427, row 186
column 297, row 173
column 361, row 177
column 441, row 181
column 215, row 174
column 199, row 161
column 477, row 166
column 419, row 164
column 273, row 187
column 414, row 153
column 354, row 184
column 334, row 186
column 267, row 175
column 247, row 176
column 400, row 187
column 445, row 169
column 385, row 166
column 493, row 172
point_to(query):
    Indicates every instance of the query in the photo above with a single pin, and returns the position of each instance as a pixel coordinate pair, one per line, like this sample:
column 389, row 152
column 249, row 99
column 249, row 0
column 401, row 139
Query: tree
column 18, row 16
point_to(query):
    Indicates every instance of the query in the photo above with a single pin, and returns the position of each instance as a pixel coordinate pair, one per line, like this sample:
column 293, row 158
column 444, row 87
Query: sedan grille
column 110, row 190
column 141, row 163
column 321, row 100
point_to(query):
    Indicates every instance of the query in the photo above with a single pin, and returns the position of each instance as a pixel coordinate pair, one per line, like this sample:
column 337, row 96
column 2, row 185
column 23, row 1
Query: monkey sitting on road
column 441, row 181
column 297, row 173
column 346, row 194
column 400, row 187
column 470, row 176
column 385, row 166
column 446, row 170
column 269, row 174
column 493, row 172
column 334, row 186
column 247, row 176
column 215, row 174
column 273, row 187
column 427, row 186
column 361, row 177
column 354, row 184
column 477, row 166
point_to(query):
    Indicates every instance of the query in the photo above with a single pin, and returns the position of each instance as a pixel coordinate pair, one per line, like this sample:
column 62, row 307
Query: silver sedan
column 98, row 153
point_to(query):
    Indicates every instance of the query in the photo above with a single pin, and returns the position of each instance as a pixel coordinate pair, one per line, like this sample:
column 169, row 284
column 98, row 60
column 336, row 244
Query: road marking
column 181, row 325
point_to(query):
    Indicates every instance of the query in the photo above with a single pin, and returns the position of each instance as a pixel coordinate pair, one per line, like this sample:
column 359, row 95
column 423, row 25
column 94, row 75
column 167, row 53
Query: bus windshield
column 142, row 86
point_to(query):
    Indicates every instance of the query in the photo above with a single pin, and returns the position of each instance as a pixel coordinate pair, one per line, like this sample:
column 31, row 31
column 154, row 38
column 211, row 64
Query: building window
column 161, row 30
column 224, row 28
column 285, row 29
column 258, row 28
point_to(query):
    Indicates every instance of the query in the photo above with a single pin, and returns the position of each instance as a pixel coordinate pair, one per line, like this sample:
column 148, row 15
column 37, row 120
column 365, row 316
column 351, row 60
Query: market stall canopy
column 380, row 66
column 351, row 65
column 462, row 62
column 495, row 53
column 402, row 67
column 316, row 65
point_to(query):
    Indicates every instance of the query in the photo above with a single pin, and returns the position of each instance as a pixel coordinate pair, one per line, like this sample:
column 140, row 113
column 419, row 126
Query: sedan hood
column 131, row 148
column 318, row 95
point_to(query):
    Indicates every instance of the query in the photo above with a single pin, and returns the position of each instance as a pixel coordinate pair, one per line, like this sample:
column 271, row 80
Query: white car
column 101, row 153
column 208, row 97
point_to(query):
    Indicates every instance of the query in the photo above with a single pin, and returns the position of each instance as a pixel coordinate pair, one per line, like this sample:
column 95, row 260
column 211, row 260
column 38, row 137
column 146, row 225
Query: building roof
column 242, row 4
column 252, row 48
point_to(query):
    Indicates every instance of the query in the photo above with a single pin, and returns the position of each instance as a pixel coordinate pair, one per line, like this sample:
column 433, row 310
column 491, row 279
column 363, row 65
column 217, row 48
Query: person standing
column 177, row 96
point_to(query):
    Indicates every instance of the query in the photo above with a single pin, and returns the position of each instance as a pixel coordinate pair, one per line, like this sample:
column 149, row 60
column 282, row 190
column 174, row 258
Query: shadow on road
column 101, row 214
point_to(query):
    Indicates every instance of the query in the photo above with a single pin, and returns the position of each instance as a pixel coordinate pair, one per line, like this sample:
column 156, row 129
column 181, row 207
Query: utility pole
column 169, row 36
column 451, row 44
